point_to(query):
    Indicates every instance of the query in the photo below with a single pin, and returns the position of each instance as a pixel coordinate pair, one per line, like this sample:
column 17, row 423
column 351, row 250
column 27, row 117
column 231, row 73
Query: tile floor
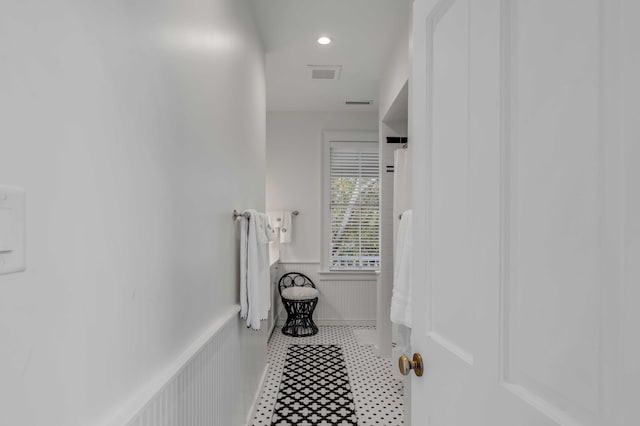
column 377, row 394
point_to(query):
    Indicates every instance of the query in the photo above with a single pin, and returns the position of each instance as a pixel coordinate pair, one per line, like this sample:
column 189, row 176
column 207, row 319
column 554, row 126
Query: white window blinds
column 355, row 207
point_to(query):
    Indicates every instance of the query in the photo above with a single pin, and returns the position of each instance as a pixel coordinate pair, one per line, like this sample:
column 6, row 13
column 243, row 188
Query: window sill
column 348, row 275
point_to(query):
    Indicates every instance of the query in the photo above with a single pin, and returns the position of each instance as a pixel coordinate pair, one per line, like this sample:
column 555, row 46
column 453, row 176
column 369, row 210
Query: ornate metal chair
column 299, row 297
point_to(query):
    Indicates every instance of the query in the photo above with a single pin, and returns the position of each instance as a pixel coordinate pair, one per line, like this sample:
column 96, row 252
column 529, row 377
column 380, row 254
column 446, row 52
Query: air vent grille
column 325, row 72
column 358, row 102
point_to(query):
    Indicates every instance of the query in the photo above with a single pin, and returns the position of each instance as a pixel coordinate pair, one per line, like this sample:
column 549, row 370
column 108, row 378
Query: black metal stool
column 299, row 297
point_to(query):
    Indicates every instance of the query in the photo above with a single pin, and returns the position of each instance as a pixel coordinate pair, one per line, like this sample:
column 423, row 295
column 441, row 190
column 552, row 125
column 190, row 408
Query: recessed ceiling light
column 324, row 40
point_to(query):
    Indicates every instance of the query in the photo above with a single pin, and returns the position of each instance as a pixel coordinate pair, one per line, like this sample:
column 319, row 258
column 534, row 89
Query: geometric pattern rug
column 314, row 389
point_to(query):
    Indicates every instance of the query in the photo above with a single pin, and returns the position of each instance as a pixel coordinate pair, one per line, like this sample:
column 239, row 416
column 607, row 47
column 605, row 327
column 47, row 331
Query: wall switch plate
column 12, row 230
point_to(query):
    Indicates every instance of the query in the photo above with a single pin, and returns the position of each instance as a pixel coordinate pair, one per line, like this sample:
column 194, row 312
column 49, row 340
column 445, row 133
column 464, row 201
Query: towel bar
column 237, row 214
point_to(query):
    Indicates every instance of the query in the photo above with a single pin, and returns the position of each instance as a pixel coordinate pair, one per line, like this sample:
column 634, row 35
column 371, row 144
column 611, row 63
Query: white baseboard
column 273, row 327
column 256, row 399
column 344, row 322
column 347, row 322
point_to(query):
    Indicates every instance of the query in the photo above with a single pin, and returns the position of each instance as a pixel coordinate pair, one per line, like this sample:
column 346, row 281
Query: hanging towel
column 272, row 233
column 401, row 303
column 254, row 270
column 401, row 188
column 244, row 263
column 265, row 231
column 276, row 220
column 286, row 227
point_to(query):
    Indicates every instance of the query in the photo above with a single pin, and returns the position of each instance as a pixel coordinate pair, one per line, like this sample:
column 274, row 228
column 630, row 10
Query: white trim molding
column 256, row 399
column 347, row 322
column 348, row 276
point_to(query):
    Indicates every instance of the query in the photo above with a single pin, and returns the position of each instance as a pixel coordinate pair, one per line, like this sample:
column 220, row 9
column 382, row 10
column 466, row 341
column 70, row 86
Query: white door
column 526, row 147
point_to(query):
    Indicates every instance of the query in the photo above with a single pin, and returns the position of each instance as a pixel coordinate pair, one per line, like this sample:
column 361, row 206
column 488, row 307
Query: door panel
column 449, row 191
column 524, row 121
column 553, row 318
column 630, row 151
column 449, row 251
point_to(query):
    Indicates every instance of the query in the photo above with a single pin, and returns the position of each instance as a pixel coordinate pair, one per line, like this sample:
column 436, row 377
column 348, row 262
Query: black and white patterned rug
column 314, row 389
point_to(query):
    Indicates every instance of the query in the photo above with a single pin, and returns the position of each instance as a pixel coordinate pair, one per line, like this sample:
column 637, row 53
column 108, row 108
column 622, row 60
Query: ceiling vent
column 325, row 72
column 358, row 102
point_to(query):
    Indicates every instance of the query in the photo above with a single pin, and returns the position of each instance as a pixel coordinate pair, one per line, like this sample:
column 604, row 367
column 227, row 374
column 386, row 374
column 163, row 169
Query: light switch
column 6, row 237
column 12, row 230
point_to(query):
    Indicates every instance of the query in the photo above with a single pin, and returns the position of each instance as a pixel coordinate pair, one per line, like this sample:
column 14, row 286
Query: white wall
column 135, row 128
column 393, row 122
column 394, row 79
column 294, row 182
column 294, row 171
column 396, row 73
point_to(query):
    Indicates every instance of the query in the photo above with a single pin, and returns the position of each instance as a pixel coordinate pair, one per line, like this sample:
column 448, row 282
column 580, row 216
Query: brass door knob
column 406, row 365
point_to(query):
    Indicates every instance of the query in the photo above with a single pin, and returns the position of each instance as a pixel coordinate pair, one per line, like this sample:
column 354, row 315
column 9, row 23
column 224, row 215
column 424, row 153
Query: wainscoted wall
column 135, row 128
column 344, row 301
column 294, row 180
column 204, row 387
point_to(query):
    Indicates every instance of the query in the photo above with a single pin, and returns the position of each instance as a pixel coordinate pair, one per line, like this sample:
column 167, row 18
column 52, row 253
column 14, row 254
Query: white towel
column 401, row 303
column 286, row 227
column 272, row 234
column 276, row 220
column 401, row 188
column 264, row 229
column 254, row 271
column 244, row 266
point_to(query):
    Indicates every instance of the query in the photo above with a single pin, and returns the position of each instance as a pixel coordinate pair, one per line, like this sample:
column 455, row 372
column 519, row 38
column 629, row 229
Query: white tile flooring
column 377, row 393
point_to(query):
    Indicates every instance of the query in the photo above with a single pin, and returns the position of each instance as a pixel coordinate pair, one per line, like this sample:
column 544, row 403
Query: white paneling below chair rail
column 342, row 301
column 204, row 387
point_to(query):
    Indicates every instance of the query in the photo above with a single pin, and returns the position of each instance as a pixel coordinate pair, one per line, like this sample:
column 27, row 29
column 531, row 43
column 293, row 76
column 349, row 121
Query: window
column 353, row 206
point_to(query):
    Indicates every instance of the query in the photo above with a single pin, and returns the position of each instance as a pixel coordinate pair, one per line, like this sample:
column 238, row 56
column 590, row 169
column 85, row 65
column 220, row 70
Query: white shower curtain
column 400, row 334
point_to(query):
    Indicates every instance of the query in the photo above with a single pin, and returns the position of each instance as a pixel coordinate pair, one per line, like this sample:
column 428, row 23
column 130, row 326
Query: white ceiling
column 364, row 32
